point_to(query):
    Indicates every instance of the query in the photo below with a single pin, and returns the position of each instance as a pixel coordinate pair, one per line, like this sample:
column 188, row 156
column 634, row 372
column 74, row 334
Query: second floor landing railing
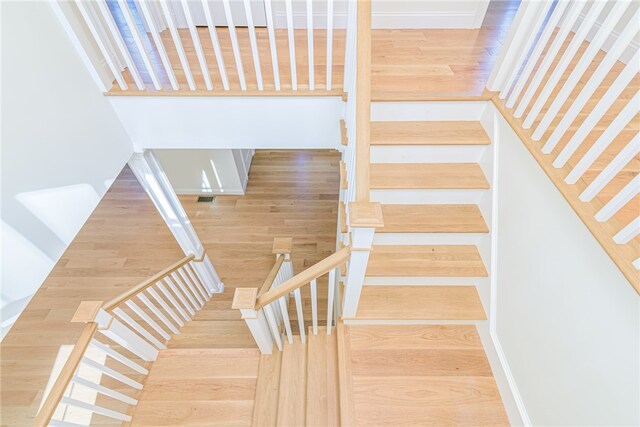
column 109, row 361
column 213, row 47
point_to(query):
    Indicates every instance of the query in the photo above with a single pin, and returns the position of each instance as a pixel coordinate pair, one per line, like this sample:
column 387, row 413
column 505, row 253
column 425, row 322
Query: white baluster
column 165, row 306
column 585, row 60
column 254, row 43
column 119, row 357
column 619, row 200
column 112, row 373
column 206, row 292
column 176, row 285
column 314, row 305
column 329, row 42
column 117, row 332
column 549, row 28
column 213, row 34
column 310, row 44
column 144, row 316
column 244, row 300
column 620, row 122
column 282, row 302
column 272, row 43
column 567, row 57
column 104, row 390
column 173, row 301
column 565, row 29
column 273, row 326
column 93, row 28
column 166, row 63
column 138, row 328
column 539, row 14
column 115, row 33
column 197, row 46
column 151, row 306
column 137, row 39
column 96, row 409
column 191, row 291
column 300, row 313
column 234, row 44
column 630, row 231
column 175, row 35
column 292, row 44
column 331, row 287
column 603, row 105
column 627, row 154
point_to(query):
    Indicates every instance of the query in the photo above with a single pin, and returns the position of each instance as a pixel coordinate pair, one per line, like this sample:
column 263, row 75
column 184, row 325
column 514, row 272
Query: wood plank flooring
column 123, row 242
column 422, row 375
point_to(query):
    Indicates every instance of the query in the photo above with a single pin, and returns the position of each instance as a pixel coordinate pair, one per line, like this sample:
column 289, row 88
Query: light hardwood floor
column 421, row 375
column 123, row 242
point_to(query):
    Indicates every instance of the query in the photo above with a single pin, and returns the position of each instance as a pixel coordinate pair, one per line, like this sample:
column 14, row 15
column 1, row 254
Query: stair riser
column 429, row 238
column 433, row 197
column 427, row 154
column 427, row 111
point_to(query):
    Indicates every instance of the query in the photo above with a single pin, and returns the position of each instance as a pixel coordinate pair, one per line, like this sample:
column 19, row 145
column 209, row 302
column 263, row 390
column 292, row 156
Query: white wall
column 219, row 171
column 231, row 122
column 62, row 145
column 568, row 321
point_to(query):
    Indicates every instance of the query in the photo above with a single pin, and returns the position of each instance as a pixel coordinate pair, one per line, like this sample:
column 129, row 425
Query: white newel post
column 244, row 300
column 155, row 182
column 364, row 218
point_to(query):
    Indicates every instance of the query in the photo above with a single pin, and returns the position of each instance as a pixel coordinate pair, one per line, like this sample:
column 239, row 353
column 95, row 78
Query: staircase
column 299, row 386
column 426, row 262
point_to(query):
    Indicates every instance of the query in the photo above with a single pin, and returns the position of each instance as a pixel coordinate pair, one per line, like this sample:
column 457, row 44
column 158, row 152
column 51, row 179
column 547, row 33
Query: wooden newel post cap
column 87, row 311
column 282, row 245
column 365, row 215
column 244, row 298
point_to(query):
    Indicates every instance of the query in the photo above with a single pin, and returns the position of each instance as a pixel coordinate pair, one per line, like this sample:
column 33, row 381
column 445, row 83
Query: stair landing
column 421, row 375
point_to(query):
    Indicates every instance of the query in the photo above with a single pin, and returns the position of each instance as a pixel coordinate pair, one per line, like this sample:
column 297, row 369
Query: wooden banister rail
column 363, row 99
column 66, row 374
column 272, row 275
column 301, row 279
column 109, row 305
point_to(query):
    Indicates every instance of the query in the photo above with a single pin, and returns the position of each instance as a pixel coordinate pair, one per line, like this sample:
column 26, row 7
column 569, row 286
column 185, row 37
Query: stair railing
column 544, row 62
column 267, row 314
column 120, row 338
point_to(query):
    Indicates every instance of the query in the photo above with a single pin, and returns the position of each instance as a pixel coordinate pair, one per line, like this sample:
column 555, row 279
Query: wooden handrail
column 363, row 99
column 66, row 374
column 150, row 281
column 272, row 275
column 301, row 279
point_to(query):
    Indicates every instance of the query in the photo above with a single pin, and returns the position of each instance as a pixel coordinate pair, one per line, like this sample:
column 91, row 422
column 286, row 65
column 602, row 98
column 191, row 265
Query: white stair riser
column 427, row 153
column 429, row 238
column 433, row 197
column 427, row 111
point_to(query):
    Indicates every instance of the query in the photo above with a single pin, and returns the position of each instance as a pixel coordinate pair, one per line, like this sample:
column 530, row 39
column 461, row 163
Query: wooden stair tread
column 428, row 133
column 267, row 390
column 389, row 337
column 420, row 303
column 427, row 176
column 293, row 384
column 426, row 260
column 322, row 379
column 432, row 219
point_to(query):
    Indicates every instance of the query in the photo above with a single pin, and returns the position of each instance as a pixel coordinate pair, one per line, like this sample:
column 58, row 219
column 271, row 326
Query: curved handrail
column 272, row 275
column 304, row 277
